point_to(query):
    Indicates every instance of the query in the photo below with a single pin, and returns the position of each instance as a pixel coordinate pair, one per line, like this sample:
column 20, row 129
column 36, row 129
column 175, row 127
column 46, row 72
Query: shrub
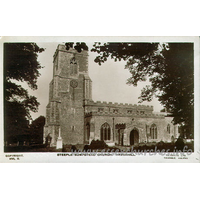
column 160, row 144
column 97, row 144
column 73, row 148
column 86, row 147
column 180, row 144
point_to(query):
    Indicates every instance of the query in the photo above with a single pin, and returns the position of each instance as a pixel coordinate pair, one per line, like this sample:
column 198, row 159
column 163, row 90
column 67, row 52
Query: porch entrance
column 134, row 137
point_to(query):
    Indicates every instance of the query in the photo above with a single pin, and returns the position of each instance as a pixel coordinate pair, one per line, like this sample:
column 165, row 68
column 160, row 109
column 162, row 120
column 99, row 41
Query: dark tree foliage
column 123, row 51
column 20, row 64
column 168, row 67
column 79, row 46
column 15, row 121
column 36, row 129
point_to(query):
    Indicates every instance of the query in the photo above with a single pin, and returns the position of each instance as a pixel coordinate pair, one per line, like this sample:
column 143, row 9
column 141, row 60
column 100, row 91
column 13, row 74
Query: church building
column 72, row 117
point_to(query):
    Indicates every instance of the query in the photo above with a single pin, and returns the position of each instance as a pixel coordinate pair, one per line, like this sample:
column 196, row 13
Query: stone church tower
column 69, row 89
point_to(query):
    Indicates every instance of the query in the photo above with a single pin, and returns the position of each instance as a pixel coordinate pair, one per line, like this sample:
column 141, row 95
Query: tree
column 79, row 46
column 36, row 129
column 167, row 66
column 20, row 64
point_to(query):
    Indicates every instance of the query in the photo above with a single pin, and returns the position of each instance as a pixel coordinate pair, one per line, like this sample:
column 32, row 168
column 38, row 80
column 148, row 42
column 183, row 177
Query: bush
column 160, row 144
column 180, row 144
column 73, row 148
column 86, row 147
column 96, row 144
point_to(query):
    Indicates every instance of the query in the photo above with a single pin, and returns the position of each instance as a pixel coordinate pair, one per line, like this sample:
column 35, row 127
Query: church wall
column 56, row 89
column 47, row 120
column 139, row 123
column 87, row 88
column 72, row 113
column 53, row 130
column 173, row 129
column 72, row 122
column 51, row 90
column 83, row 61
column 64, row 62
column 63, row 86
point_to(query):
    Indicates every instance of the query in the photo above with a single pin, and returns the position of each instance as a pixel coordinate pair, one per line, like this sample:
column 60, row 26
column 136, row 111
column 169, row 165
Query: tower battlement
column 62, row 47
column 120, row 105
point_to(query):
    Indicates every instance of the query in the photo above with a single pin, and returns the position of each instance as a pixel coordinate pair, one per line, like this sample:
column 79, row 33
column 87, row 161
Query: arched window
column 73, row 66
column 168, row 128
column 153, row 131
column 88, row 131
column 105, row 132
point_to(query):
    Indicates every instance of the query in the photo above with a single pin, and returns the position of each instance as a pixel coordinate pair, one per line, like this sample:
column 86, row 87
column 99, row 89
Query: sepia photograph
column 100, row 100
column 110, row 96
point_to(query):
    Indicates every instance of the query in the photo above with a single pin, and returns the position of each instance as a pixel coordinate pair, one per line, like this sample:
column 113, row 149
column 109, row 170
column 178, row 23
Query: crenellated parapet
column 123, row 114
column 115, row 104
column 62, row 47
column 99, row 108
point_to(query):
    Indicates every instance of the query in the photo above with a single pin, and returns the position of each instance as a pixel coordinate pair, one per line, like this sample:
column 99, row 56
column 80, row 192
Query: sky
column 108, row 80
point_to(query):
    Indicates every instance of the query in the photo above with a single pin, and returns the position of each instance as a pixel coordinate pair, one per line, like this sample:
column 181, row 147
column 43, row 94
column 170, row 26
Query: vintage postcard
column 100, row 99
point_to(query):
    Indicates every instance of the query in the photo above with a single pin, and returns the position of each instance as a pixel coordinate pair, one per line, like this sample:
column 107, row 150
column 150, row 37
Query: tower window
column 73, row 128
column 88, row 131
column 73, row 66
column 100, row 109
column 105, row 132
column 147, row 129
column 153, row 131
column 73, row 61
column 168, row 128
column 115, row 110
